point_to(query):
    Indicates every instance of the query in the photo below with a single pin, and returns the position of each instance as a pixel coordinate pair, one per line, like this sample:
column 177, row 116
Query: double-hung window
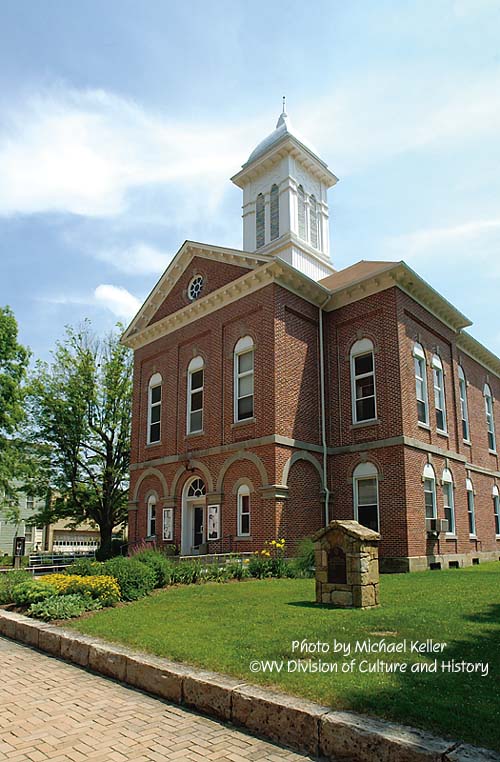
column 365, row 483
column 364, row 406
column 490, row 421
column 448, row 499
column 439, row 397
column 496, row 509
column 244, row 379
column 471, row 510
column 464, row 408
column 154, row 408
column 243, row 510
column 196, row 373
column 430, row 492
column 421, row 384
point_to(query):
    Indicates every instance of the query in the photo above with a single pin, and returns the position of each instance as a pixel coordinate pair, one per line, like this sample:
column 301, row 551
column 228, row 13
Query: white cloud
column 83, row 152
column 422, row 243
column 139, row 259
column 117, row 299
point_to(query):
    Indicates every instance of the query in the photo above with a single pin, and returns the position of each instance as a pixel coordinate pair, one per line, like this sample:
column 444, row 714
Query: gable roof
column 360, row 270
column 180, row 261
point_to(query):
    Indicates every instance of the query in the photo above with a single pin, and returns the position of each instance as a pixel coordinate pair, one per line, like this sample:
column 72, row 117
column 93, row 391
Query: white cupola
column 285, row 205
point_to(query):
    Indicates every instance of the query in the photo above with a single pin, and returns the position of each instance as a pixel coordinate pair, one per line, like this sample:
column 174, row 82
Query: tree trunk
column 105, row 549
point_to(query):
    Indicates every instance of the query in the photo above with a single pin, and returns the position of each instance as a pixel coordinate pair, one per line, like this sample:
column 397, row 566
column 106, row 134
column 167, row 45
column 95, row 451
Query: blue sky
column 121, row 123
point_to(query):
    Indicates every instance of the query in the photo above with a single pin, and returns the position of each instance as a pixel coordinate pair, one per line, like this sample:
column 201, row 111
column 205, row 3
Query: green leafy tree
column 13, row 367
column 81, row 405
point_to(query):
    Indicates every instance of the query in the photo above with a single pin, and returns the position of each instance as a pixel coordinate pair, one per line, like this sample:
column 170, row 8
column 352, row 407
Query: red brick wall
column 215, row 275
column 303, row 512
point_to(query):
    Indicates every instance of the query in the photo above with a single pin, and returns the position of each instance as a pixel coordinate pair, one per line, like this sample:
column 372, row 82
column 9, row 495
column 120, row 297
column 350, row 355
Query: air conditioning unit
column 436, row 526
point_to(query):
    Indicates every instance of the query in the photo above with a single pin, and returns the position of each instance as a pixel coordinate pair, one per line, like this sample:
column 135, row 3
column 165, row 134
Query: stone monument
column 347, row 574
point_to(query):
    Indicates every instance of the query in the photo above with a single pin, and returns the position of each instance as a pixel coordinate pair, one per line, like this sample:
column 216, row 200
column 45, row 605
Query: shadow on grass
column 467, row 704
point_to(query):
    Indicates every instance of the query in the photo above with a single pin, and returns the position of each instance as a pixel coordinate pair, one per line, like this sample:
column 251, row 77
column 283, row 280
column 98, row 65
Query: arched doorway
column 194, row 517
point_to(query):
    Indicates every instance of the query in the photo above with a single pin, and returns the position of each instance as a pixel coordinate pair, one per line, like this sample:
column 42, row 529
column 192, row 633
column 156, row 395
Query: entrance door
column 198, row 525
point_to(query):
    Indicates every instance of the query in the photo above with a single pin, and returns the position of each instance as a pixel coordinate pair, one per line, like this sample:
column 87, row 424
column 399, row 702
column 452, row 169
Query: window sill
column 442, row 433
column 243, row 538
column 153, row 444
column 194, row 434
column 237, row 424
column 364, row 424
column 450, row 536
column 492, row 452
column 473, row 537
column 467, row 442
column 497, row 537
column 425, row 426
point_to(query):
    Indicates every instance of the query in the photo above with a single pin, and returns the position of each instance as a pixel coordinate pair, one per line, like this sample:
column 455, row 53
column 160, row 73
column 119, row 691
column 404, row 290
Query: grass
column 225, row 627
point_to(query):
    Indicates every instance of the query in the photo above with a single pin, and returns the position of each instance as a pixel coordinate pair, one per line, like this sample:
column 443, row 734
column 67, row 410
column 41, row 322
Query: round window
column 195, row 287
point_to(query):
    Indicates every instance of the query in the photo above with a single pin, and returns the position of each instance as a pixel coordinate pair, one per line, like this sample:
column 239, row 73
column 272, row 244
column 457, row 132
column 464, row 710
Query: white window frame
column 167, row 523
column 196, row 364
column 155, row 382
column 213, row 510
column 362, row 347
column 471, row 508
column 449, row 498
column 430, row 476
column 301, row 214
column 274, row 209
column 244, row 346
column 464, row 405
column 244, row 491
column 260, row 217
column 439, row 392
column 152, row 502
column 496, row 509
column 419, row 357
column 490, row 420
column 364, row 472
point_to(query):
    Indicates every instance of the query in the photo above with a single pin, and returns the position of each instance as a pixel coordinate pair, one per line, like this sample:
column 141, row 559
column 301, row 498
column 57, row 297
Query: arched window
column 154, row 409
column 151, row 517
column 244, row 379
column 490, row 421
column 197, row 488
column 448, row 499
column 430, row 492
column 243, row 499
column 275, row 212
column 439, row 398
column 260, row 221
column 301, row 210
column 364, row 406
column 421, row 384
column 313, row 221
column 365, row 484
column 195, row 395
column 496, row 509
column 471, row 509
column 464, row 407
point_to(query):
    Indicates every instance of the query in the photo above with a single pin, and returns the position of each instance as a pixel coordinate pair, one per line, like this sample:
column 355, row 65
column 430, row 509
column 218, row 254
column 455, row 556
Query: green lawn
column 224, row 627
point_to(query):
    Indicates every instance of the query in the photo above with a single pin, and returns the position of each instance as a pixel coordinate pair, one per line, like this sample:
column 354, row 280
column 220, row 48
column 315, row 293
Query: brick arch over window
column 199, row 466
column 302, row 455
column 243, row 456
column 150, row 472
column 303, row 511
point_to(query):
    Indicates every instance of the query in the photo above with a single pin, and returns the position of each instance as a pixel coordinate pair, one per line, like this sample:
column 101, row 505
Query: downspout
column 323, row 411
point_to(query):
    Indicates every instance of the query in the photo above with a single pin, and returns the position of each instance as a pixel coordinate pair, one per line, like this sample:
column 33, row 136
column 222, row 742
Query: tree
column 13, row 364
column 82, row 409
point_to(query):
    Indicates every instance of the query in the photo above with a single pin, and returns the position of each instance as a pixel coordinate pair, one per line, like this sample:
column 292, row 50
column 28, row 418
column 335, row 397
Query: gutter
column 323, row 411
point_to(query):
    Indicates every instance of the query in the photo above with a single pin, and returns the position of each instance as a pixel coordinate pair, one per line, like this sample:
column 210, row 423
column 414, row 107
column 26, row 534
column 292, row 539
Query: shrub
column 186, row 572
column 31, row 591
column 100, row 587
column 85, row 567
column 8, row 580
column 158, row 563
column 134, row 578
column 259, row 566
column 63, row 607
column 304, row 561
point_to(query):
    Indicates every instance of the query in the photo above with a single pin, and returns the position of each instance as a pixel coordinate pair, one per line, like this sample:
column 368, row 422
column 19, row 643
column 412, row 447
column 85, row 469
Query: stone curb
column 290, row 721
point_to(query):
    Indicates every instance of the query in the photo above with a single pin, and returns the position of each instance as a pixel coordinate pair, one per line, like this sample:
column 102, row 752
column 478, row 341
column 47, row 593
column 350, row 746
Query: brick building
column 272, row 393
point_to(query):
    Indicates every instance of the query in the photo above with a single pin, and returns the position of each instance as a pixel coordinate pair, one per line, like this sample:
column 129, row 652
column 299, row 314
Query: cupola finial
column 284, row 105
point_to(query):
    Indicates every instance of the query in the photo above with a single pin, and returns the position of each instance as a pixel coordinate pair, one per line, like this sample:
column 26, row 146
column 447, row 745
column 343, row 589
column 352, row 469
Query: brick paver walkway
column 50, row 710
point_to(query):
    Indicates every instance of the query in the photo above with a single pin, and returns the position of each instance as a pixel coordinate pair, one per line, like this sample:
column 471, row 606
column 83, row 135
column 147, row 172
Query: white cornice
column 473, row 348
column 177, row 266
